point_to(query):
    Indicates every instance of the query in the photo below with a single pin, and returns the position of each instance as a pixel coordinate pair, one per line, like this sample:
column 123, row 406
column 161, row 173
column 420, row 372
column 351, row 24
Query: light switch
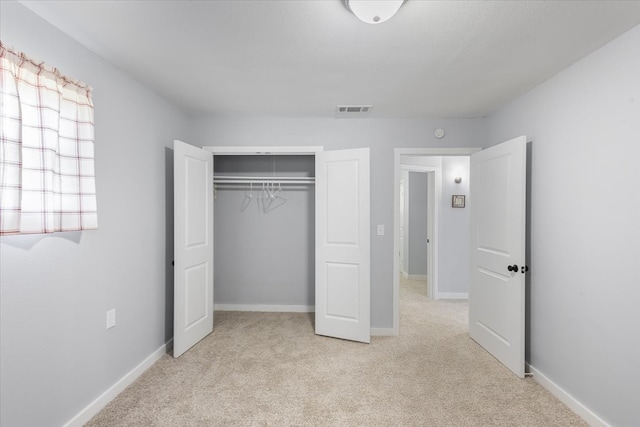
column 111, row 318
column 380, row 229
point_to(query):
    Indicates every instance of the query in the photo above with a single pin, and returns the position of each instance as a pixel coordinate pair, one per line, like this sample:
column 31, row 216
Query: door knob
column 513, row 268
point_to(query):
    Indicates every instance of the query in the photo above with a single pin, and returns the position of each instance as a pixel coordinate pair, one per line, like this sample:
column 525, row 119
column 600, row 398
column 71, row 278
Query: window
column 47, row 180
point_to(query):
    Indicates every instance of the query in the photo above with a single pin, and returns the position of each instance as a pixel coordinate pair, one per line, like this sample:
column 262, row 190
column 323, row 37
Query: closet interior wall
column 264, row 247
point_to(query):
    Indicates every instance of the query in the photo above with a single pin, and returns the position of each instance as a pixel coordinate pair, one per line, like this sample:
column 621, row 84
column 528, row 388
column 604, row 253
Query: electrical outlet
column 380, row 229
column 111, row 318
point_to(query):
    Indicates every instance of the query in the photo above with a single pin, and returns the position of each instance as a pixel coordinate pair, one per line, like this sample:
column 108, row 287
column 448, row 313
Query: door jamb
column 398, row 152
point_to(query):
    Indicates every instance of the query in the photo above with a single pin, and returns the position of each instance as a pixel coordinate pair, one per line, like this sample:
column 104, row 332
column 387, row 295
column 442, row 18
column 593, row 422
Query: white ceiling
column 303, row 57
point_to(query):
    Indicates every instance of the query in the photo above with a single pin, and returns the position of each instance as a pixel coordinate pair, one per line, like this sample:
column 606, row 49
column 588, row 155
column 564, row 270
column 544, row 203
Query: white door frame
column 433, row 173
column 398, row 152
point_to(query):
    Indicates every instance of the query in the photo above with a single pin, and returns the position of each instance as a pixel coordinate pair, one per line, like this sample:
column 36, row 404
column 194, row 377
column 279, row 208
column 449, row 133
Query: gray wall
column 56, row 355
column 382, row 136
column 264, row 257
column 417, row 223
column 454, row 245
column 584, row 291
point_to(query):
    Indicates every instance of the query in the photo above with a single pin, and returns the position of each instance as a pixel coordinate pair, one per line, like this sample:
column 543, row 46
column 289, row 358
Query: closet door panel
column 342, row 202
column 343, row 244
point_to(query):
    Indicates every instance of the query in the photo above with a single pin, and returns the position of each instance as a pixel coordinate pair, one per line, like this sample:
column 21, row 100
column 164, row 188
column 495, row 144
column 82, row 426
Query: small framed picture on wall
column 457, row 201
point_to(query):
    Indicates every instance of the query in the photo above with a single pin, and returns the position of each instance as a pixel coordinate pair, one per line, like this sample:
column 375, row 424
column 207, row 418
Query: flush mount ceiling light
column 374, row 11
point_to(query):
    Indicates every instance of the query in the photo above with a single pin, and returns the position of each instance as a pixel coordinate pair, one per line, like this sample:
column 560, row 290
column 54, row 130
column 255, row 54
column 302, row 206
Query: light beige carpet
column 269, row 369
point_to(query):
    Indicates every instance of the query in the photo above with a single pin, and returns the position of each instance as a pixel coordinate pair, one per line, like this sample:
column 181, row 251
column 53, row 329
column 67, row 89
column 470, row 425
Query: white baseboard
column 452, row 295
column 96, row 406
column 383, row 332
column 417, row 277
column 404, row 274
column 266, row 308
column 562, row 395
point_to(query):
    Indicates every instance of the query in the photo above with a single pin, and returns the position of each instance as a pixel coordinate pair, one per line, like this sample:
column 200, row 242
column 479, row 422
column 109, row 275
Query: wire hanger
column 276, row 199
column 248, row 197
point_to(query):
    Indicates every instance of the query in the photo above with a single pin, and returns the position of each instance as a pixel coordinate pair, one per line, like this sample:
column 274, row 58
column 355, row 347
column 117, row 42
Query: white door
column 193, row 246
column 431, row 191
column 342, row 244
column 497, row 291
column 402, row 214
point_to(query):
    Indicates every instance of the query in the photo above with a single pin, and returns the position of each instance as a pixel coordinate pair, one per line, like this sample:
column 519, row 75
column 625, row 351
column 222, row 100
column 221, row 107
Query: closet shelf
column 263, row 179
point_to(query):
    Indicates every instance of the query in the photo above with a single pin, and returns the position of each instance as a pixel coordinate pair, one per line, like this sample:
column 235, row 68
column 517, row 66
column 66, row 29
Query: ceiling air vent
column 345, row 110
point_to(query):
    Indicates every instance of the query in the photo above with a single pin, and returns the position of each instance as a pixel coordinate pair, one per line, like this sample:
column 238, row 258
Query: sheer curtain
column 47, row 180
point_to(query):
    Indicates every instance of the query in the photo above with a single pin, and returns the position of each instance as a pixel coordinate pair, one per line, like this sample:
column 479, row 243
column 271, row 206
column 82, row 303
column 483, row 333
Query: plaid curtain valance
column 47, row 180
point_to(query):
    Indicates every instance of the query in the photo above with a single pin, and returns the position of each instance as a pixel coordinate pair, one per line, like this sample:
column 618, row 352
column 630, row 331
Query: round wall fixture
column 439, row 133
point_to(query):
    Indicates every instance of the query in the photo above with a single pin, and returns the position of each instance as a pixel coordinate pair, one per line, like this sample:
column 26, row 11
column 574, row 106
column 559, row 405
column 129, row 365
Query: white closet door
column 343, row 244
column 497, row 292
column 193, row 246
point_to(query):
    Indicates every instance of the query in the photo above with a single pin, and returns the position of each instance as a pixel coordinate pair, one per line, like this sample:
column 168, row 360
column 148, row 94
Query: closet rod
column 260, row 181
column 263, row 179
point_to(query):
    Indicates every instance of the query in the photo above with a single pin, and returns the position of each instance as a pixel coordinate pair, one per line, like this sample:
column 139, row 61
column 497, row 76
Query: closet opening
column 264, row 232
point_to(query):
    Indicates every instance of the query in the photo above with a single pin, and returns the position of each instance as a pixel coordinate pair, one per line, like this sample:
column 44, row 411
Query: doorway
column 402, row 156
column 417, row 227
